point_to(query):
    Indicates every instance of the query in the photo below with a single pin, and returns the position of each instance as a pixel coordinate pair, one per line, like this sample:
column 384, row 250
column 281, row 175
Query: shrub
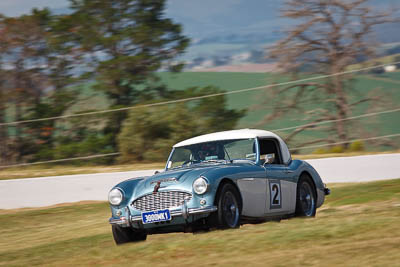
column 92, row 144
column 356, row 146
column 148, row 134
column 337, row 149
column 320, row 151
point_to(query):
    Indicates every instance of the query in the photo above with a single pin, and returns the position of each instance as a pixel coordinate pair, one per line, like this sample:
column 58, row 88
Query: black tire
column 306, row 200
column 124, row 235
column 229, row 207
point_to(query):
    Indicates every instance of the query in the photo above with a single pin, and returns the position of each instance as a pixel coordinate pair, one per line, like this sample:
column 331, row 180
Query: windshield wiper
column 188, row 163
column 214, row 161
column 249, row 160
column 176, row 167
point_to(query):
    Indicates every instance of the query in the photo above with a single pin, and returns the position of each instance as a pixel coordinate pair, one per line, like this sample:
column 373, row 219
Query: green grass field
column 358, row 226
column 258, row 103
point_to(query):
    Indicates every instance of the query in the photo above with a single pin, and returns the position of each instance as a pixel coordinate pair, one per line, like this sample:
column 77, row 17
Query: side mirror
column 269, row 158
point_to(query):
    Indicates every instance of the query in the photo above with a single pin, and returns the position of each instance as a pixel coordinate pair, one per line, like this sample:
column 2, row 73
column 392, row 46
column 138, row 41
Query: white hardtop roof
column 227, row 135
column 238, row 134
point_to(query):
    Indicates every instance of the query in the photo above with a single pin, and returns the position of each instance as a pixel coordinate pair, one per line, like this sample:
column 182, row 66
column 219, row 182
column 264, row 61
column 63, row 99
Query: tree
column 331, row 35
column 126, row 42
column 3, row 102
column 36, row 70
column 148, row 133
column 60, row 62
column 21, row 52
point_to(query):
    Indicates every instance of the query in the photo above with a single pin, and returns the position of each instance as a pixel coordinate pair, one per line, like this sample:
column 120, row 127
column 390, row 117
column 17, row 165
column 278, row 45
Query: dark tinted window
column 270, row 147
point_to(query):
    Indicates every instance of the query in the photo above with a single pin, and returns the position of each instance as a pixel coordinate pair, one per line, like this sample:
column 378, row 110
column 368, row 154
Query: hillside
column 237, row 29
column 257, row 102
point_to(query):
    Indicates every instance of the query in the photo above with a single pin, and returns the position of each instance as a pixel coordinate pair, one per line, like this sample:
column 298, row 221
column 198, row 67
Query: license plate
column 156, row 216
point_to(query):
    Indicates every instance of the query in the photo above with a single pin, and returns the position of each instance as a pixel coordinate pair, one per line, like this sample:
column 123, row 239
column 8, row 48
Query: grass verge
column 358, row 225
column 56, row 170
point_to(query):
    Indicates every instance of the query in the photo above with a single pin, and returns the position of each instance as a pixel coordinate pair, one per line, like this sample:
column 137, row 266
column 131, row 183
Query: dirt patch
column 272, row 67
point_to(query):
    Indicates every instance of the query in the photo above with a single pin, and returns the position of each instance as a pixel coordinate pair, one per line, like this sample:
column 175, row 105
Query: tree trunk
column 18, row 112
column 3, row 135
column 341, row 109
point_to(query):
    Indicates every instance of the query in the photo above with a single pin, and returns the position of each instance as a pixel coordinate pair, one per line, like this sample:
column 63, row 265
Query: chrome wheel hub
column 230, row 209
column 307, row 199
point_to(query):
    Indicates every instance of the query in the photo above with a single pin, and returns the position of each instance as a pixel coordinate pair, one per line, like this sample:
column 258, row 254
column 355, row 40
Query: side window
column 270, row 147
column 241, row 149
column 180, row 156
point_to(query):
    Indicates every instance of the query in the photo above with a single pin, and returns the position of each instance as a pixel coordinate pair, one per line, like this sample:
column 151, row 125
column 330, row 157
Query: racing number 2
column 275, row 199
column 275, row 194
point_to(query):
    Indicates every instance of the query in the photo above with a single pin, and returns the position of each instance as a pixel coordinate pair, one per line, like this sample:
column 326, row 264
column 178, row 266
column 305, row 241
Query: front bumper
column 183, row 211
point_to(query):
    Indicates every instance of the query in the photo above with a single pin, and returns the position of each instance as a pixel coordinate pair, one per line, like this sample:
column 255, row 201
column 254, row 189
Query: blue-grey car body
column 266, row 190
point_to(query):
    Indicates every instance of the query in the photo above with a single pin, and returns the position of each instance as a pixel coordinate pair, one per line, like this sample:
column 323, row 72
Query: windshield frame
column 256, row 161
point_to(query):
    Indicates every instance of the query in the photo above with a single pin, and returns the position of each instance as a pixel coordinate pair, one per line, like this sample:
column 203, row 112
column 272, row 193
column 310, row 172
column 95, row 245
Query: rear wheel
column 124, row 235
column 305, row 198
column 228, row 202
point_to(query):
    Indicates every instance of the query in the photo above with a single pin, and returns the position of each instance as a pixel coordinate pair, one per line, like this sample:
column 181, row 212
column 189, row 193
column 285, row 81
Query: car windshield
column 213, row 152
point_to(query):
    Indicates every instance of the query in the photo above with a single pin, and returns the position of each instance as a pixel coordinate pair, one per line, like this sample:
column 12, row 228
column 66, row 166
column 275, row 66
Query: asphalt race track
column 46, row 191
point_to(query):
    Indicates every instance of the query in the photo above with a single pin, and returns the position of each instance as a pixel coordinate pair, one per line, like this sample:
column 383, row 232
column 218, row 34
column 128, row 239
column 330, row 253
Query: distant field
column 358, row 226
column 381, row 60
column 394, row 76
column 258, row 103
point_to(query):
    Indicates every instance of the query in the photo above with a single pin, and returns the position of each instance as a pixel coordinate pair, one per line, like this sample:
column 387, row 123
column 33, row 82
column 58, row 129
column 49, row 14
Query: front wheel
column 306, row 197
column 124, row 235
column 228, row 207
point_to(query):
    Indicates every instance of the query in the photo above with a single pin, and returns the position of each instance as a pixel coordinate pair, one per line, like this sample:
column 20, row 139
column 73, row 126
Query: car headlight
column 200, row 185
column 115, row 196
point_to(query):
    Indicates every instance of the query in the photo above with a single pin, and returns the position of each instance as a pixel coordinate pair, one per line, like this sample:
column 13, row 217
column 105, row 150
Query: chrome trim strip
column 169, row 158
column 120, row 221
column 202, row 210
column 165, row 180
column 185, row 213
column 128, row 214
column 247, row 179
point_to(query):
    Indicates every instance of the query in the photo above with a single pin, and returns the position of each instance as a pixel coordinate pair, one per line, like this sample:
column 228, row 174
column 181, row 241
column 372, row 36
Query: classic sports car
column 218, row 180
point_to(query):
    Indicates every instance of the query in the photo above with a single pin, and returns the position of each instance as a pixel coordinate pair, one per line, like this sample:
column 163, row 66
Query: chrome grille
column 161, row 200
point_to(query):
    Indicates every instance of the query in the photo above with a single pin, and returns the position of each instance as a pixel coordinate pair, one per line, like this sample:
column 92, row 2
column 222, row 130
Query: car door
column 252, row 184
column 279, row 189
column 280, row 182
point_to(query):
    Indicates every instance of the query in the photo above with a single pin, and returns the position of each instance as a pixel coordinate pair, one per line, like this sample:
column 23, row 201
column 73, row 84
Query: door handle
column 289, row 171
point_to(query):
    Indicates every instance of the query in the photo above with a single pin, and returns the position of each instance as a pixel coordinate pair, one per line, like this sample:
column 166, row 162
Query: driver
column 207, row 150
